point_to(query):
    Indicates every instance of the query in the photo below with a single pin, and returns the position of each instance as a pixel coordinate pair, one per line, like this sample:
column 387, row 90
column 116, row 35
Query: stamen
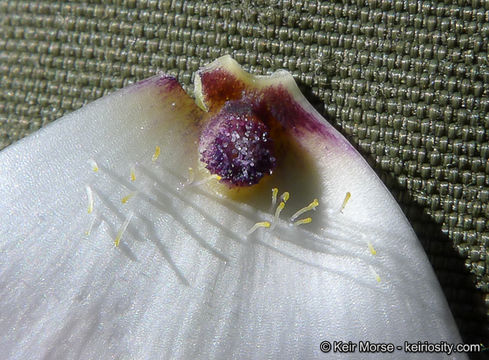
column 90, row 227
column 303, row 221
column 263, row 224
column 311, row 206
column 279, row 209
column 122, row 230
column 126, row 198
column 285, row 196
column 347, row 197
column 371, row 248
column 377, row 277
column 93, row 164
column 156, row 155
column 90, row 198
column 274, row 197
column 133, row 173
column 191, row 176
column 206, row 180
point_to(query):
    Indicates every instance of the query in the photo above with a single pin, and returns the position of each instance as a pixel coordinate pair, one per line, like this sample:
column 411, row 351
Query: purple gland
column 236, row 145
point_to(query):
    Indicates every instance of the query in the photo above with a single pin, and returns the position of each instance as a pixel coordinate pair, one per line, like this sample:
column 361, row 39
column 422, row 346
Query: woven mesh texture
column 406, row 81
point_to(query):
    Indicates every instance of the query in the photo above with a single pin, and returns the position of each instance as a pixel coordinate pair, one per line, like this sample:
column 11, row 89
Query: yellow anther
column 377, row 277
column 156, row 154
column 371, row 248
column 285, row 196
column 263, row 224
column 93, row 164
column 90, row 199
column 133, row 174
column 274, row 197
column 279, row 209
column 126, row 198
column 206, row 180
column 303, row 221
column 122, row 230
column 347, row 197
column 311, row 206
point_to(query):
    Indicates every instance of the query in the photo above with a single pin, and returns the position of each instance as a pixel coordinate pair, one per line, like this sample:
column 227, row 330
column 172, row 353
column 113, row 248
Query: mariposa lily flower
column 244, row 227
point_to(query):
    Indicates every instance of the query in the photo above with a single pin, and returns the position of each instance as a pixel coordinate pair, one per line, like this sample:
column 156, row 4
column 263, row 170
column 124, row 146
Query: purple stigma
column 236, row 145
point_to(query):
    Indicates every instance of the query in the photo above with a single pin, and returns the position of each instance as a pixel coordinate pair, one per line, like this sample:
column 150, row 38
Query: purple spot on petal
column 167, row 82
column 288, row 112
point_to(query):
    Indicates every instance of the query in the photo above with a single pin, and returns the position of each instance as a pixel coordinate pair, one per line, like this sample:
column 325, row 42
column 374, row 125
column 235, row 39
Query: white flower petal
column 185, row 281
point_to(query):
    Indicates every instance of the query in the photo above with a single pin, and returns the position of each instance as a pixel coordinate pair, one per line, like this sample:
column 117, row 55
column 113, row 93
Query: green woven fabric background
column 407, row 82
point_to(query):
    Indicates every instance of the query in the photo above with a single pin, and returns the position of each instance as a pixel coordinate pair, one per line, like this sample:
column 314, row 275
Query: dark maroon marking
column 272, row 105
column 219, row 86
column 167, row 81
column 236, row 145
column 291, row 115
